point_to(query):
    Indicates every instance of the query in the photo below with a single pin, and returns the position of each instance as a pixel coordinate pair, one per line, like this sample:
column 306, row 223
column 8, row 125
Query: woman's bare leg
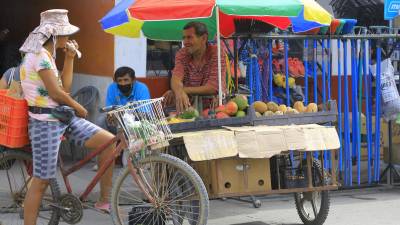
column 94, row 142
column 33, row 200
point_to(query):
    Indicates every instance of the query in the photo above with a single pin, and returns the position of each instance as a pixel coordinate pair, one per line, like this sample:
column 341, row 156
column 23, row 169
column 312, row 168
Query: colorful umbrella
column 164, row 19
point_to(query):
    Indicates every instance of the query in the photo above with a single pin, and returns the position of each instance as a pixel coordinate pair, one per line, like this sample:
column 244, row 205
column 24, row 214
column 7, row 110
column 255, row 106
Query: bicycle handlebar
column 109, row 108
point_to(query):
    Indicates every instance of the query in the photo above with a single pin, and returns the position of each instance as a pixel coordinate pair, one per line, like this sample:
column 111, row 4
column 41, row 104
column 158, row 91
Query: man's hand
column 169, row 98
column 182, row 101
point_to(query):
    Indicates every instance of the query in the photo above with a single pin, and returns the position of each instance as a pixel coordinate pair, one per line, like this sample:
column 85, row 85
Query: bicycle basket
column 144, row 120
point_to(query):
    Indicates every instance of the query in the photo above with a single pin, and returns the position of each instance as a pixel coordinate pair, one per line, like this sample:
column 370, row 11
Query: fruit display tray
column 321, row 117
column 205, row 124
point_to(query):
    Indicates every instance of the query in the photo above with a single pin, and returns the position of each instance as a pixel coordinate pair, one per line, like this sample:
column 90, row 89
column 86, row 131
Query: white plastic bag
column 390, row 99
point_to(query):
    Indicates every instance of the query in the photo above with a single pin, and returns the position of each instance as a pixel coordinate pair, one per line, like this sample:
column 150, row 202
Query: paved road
column 373, row 206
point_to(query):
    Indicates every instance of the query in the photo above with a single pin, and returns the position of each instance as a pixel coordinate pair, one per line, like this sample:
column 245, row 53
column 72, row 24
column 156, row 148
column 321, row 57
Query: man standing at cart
column 196, row 68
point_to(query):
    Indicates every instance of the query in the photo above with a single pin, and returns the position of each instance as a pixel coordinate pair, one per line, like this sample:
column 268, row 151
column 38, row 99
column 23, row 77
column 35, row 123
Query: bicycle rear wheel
column 180, row 196
column 15, row 177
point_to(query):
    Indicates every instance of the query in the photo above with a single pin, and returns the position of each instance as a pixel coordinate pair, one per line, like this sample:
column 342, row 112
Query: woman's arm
column 67, row 73
column 57, row 94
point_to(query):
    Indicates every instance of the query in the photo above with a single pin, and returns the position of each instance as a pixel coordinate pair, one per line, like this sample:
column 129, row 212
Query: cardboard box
column 395, row 154
column 234, row 176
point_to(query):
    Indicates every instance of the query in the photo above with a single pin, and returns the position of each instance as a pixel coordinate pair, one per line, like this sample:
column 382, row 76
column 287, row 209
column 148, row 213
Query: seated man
column 126, row 88
column 196, row 68
column 123, row 90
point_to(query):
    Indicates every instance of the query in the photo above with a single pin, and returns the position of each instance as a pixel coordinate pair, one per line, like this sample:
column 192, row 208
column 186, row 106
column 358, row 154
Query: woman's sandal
column 104, row 207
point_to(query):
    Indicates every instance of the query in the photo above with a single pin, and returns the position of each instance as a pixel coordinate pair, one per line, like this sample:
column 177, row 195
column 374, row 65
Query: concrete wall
column 100, row 82
column 126, row 52
column 131, row 52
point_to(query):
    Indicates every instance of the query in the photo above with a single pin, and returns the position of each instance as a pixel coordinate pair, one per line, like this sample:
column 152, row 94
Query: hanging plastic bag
column 14, row 86
column 390, row 99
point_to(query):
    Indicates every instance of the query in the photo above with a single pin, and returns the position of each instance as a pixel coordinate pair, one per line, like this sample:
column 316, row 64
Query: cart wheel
column 257, row 204
column 313, row 207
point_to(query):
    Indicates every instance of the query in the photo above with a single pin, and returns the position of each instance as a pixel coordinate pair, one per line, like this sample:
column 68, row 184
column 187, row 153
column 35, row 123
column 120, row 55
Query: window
column 161, row 57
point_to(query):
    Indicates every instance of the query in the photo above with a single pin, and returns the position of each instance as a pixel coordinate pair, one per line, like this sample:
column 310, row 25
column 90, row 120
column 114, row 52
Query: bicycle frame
column 121, row 145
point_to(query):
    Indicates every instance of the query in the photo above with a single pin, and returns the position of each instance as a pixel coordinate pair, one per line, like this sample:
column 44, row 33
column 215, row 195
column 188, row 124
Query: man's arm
column 110, row 98
column 176, row 84
column 143, row 93
column 202, row 90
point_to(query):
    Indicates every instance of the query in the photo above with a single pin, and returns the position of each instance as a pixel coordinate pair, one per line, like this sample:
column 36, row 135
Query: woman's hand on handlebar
column 81, row 111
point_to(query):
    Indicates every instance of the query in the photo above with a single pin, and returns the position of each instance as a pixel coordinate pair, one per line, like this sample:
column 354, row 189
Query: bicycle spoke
column 314, row 207
column 176, row 197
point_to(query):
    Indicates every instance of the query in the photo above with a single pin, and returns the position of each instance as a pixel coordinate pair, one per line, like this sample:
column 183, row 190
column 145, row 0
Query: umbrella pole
column 219, row 58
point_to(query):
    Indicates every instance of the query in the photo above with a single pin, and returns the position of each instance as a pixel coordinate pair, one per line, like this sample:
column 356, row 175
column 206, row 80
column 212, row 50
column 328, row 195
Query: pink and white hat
column 53, row 22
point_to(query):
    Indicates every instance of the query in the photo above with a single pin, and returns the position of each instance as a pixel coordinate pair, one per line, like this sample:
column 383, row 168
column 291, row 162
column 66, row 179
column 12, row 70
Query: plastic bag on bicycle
column 63, row 113
column 141, row 216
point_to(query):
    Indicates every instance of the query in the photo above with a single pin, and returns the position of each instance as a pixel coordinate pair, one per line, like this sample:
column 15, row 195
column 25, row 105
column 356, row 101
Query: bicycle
column 155, row 188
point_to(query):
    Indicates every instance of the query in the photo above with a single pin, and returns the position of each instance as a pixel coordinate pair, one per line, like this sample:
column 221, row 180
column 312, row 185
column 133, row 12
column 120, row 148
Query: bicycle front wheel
column 15, row 177
column 179, row 195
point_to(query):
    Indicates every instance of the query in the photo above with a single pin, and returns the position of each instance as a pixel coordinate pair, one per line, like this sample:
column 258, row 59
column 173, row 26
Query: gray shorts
column 46, row 137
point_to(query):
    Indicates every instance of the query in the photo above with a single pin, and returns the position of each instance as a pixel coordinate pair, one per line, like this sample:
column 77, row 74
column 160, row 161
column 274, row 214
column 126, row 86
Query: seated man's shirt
column 207, row 74
column 115, row 97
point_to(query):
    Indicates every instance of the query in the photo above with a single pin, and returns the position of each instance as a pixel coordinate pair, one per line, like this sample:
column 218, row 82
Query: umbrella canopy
column 164, row 19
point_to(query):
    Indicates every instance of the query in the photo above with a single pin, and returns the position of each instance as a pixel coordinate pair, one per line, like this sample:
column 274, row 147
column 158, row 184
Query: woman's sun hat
column 53, row 22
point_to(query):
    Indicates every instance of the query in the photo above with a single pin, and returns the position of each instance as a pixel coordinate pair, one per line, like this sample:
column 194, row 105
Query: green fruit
column 190, row 113
column 241, row 101
column 240, row 114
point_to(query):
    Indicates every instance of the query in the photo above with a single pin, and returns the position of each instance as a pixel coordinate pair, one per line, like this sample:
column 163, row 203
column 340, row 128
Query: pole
column 305, row 56
column 219, row 58
column 340, row 106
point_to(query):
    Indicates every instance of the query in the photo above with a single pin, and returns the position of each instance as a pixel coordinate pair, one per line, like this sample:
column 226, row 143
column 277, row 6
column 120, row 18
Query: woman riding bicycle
column 45, row 90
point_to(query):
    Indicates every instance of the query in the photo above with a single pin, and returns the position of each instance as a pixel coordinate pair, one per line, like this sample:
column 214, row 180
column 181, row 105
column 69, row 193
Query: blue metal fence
column 353, row 92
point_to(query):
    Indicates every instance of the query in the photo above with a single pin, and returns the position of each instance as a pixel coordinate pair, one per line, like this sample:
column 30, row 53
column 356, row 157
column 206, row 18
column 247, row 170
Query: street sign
column 392, row 8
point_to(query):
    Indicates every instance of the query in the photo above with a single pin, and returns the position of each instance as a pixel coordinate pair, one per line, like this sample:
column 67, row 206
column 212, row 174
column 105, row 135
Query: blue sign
column 392, row 8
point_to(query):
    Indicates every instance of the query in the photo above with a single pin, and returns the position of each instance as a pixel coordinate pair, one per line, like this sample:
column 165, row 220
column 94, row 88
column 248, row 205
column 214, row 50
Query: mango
column 258, row 114
column 299, row 106
column 241, row 101
column 231, row 108
column 282, row 108
column 260, row 107
column 290, row 111
column 311, row 108
column 221, row 115
column 272, row 106
column 205, row 113
column 220, row 108
column 268, row 113
column 240, row 114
